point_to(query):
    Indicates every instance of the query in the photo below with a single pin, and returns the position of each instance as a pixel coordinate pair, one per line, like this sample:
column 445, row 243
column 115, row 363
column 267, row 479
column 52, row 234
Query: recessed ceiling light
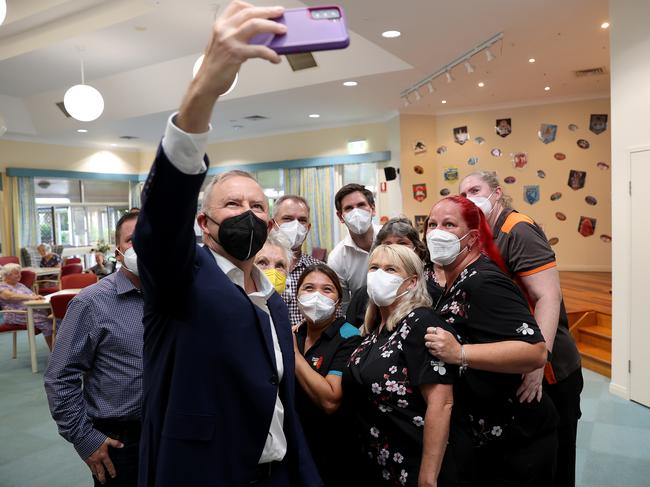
column 140, row 28
column 350, row 83
column 547, row 88
column 391, row 34
column 443, row 101
column 82, row 131
column 314, row 115
column 481, row 84
column 604, row 25
column 531, row 60
column 113, row 145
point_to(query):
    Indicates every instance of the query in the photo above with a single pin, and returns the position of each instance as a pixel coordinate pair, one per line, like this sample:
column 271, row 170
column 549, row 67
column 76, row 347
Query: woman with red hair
column 494, row 439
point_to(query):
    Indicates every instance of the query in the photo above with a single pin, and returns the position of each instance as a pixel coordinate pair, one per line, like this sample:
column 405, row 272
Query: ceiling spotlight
column 469, row 67
column 443, row 101
column 604, row 25
column 531, row 60
column 3, row 11
column 405, row 101
column 350, row 83
column 547, row 88
column 450, row 78
column 430, row 87
column 314, row 115
column 82, row 131
column 391, row 34
column 481, row 84
column 489, row 56
column 417, row 96
column 113, row 145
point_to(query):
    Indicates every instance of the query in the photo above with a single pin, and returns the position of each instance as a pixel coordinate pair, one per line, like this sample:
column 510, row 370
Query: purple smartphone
column 308, row 29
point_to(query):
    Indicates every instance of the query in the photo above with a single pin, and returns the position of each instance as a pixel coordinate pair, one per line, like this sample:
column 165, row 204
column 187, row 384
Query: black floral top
column 386, row 371
column 485, row 306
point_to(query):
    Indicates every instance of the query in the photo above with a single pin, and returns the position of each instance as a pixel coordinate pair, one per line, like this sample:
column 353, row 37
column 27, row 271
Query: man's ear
column 340, row 217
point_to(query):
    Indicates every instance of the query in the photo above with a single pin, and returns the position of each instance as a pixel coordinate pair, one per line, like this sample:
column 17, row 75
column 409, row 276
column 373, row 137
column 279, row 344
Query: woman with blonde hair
column 403, row 397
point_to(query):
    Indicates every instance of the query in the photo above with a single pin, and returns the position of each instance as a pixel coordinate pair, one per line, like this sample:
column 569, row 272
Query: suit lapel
column 263, row 321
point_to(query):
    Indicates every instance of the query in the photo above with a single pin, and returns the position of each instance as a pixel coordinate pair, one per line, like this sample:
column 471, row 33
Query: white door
column 640, row 258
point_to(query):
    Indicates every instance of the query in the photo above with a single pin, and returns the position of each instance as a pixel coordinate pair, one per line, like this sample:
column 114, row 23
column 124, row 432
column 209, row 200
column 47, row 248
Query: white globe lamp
column 84, row 103
column 197, row 66
column 3, row 11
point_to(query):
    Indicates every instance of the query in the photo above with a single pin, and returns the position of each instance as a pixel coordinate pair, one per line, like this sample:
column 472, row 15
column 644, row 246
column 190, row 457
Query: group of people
column 405, row 360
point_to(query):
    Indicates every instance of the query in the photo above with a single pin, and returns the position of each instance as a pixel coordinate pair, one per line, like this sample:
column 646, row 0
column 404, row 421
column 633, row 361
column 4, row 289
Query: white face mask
column 316, row 306
column 484, row 204
column 443, row 246
column 358, row 221
column 295, row 232
column 130, row 260
column 382, row 287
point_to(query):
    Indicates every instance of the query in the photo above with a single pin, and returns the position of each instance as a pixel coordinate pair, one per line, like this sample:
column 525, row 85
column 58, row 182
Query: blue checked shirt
column 95, row 369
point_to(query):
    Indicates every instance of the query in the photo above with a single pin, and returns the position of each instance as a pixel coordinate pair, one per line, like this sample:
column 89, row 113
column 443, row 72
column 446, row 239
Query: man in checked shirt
column 94, row 379
column 291, row 215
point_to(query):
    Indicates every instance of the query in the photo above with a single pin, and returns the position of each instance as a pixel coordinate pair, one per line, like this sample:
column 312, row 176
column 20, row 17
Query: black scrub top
column 386, row 371
column 331, row 437
column 485, row 306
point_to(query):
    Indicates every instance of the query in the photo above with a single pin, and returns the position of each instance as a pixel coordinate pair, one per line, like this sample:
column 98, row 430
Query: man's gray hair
column 289, row 197
column 207, row 192
column 9, row 268
column 46, row 246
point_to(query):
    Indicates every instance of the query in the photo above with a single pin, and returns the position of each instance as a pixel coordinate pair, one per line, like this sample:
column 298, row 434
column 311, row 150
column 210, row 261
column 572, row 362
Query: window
column 79, row 212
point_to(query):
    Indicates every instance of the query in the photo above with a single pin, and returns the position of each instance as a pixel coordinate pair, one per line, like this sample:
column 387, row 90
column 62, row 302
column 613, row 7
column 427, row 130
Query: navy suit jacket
column 210, row 379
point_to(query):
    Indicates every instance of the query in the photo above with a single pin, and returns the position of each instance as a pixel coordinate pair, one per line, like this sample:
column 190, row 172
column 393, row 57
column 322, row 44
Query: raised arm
column 164, row 238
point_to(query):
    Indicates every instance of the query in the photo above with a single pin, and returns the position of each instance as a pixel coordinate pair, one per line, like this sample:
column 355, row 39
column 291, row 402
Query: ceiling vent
column 301, row 61
column 128, row 137
column 61, row 107
column 583, row 73
column 256, row 118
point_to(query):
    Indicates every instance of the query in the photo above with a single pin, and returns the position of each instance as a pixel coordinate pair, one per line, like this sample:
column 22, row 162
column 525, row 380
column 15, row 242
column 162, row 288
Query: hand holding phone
column 308, row 29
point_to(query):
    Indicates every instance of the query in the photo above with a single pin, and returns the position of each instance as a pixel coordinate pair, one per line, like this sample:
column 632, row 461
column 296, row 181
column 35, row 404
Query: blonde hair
column 492, row 181
column 417, row 297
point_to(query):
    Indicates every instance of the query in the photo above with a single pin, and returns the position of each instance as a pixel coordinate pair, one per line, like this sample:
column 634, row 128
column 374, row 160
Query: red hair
column 475, row 220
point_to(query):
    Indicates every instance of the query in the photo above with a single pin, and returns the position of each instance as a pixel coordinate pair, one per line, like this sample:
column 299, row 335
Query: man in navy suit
column 218, row 352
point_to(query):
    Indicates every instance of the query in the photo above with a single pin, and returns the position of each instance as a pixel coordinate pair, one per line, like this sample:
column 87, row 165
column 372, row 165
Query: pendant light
column 83, row 102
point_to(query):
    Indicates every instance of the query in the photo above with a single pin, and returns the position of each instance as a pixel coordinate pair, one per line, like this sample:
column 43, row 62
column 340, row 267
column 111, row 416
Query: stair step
column 598, row 330
column 596, row 359
column 595, row 353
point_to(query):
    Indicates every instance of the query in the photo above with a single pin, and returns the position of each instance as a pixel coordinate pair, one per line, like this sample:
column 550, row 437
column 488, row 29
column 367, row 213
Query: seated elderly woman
column 48, row 258
column 396, row 231
column 12, row 295
column 274, row 260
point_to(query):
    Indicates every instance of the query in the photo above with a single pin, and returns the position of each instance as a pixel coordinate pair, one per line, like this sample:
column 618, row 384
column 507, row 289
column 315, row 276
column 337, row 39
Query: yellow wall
column 65, row 158
column 317, row 143
column 574, row 251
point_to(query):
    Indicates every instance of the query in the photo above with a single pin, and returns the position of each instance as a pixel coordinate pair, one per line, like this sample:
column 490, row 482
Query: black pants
column 125, row 460
column 566, row 398
column 276, row 476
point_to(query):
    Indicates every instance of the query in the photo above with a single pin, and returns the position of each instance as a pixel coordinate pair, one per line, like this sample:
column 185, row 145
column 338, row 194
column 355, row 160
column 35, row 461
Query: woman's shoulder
column 423, row 314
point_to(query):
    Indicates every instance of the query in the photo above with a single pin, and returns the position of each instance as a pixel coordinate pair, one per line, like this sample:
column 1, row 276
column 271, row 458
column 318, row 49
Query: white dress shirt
column 185, row 151
column 350, row 262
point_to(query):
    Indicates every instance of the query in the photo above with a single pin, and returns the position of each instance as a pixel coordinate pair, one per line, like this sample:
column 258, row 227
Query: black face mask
column 242, row 236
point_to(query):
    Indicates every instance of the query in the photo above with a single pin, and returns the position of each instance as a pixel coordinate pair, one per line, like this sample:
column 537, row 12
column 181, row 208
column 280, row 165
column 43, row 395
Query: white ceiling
column 139, row 54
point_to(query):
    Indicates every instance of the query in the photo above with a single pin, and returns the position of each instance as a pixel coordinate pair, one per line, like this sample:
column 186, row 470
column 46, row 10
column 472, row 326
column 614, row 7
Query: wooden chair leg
column 15, row 345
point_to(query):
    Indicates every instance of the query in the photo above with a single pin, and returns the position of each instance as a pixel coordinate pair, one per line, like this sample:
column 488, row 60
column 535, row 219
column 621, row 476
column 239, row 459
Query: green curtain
column 27, row 213
column 316, row 185
column 135, row 189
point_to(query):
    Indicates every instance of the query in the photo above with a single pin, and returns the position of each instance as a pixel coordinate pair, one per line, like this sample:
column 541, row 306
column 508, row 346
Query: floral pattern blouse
column 52, row 261
column 486, row 306
column 386, row 371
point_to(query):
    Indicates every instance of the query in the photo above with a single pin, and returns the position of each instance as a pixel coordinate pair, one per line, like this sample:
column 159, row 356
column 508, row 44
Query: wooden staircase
column 592, row 332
